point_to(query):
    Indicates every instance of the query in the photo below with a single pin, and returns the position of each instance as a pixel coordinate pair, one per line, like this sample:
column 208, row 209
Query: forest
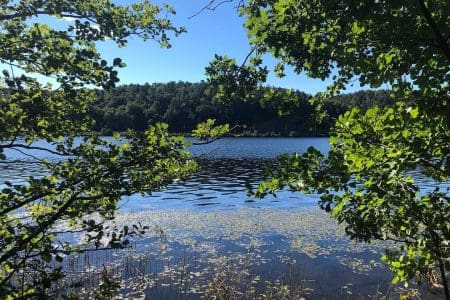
column 182, row 105
column 141, row 216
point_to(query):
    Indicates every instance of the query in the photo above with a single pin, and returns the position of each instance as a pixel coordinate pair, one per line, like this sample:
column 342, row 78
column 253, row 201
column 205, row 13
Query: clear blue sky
column 208, row 33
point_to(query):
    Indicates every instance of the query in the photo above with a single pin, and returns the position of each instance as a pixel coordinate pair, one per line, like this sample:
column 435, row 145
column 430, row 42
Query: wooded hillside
column 183, row 104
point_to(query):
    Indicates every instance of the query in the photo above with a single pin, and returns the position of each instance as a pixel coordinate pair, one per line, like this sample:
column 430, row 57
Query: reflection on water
column 207, row 225
column 256, row 147
column 249, row 251
column 220, row 184
column 226, row 166
column 17, row 171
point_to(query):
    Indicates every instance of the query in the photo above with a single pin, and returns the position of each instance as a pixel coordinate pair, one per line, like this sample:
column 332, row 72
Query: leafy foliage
column 83, row 183
column 207, row 130
column 366, row 180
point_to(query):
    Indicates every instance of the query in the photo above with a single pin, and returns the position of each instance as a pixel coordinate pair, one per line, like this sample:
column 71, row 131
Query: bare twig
column 213, row 5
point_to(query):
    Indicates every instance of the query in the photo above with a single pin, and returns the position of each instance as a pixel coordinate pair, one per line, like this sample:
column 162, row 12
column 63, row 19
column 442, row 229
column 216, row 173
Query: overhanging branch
column 441, row 41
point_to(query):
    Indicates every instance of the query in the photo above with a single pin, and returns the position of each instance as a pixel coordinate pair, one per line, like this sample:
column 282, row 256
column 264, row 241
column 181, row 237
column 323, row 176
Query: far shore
column 256, row 135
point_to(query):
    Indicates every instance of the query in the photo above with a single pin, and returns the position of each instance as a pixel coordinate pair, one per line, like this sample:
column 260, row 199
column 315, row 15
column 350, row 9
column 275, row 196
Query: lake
column 208, row 238
column 225, row 167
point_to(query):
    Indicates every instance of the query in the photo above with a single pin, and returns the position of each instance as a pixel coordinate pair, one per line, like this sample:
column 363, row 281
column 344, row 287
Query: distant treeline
column 182, row 105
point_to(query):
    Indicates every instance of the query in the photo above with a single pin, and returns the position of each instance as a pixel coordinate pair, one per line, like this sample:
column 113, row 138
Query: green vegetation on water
column 237, row 254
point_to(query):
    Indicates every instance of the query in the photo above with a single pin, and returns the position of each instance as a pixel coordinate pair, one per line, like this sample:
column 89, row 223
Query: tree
column 88, row 175
column 182, row 105
column 366, row 180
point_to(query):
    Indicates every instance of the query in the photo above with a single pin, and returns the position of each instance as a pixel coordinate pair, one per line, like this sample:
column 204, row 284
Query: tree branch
column 29, row 147
column 216, row 138
column 212, row 5
column 36, row 13
column 442, row 43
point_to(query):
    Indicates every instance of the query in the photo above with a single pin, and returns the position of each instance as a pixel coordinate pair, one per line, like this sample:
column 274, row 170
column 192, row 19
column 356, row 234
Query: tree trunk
column 444, row 278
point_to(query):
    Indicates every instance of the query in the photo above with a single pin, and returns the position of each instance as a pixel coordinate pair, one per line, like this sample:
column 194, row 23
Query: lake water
column 225, row 167
column 207, row 226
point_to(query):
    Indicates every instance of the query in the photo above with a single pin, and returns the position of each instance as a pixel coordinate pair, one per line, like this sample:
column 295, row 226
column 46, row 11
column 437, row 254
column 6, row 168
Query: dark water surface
column 226, row 166
column 208, row 224
column 219, row 185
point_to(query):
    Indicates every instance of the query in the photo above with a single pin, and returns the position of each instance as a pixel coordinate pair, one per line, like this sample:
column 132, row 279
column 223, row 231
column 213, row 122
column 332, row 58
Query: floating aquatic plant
column 236, row 254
